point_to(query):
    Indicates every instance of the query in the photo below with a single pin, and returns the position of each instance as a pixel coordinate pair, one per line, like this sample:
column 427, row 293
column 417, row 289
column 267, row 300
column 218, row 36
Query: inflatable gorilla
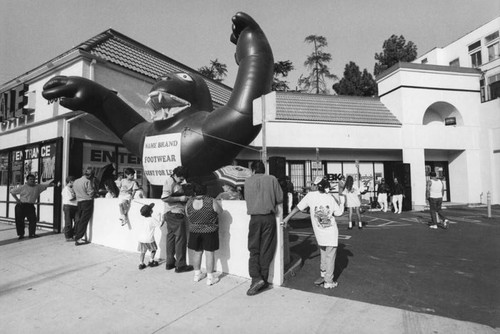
column 185, row 129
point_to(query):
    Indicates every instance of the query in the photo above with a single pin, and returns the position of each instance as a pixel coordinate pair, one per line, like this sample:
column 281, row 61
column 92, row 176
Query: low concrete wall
column 232, row 257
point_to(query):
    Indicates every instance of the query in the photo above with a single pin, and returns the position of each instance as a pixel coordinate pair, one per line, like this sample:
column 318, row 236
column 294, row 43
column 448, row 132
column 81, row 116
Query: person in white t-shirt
column 323, row 208
column 434, row 194
column 69, row 208
column 145, row 232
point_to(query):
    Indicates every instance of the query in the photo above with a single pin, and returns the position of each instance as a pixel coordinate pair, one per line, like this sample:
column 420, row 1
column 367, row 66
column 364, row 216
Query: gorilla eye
column 184, row 76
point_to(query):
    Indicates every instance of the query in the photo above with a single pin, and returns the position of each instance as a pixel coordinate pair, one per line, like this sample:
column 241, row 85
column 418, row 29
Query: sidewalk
column 50, row 286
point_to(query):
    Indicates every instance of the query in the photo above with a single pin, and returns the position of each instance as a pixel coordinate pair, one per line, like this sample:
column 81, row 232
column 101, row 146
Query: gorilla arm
column 77, row 93
column 233, row 122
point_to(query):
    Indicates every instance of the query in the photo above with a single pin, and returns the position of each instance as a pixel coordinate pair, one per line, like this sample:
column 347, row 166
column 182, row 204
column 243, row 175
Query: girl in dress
column 352, row 201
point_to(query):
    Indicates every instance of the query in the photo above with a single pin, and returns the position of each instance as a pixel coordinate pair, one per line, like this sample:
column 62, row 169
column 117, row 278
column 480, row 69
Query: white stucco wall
column 306, row 135
column 232, row 256
column 459, row 48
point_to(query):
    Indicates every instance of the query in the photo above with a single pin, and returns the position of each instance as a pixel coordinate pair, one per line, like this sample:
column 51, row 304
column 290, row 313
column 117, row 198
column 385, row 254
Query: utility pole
column 264, row 110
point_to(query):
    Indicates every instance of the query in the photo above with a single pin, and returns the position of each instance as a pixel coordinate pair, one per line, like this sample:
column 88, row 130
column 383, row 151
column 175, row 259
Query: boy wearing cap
column 146, row 236
column 323, row 208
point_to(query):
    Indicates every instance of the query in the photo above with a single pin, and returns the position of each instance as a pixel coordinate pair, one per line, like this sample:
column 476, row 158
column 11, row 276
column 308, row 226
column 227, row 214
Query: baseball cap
column 321, row 183
column 317, row 180
column 146, row 209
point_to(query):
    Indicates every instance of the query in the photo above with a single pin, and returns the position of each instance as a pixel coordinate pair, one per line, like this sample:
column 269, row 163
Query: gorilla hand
column 76, row 93
column 249, row 38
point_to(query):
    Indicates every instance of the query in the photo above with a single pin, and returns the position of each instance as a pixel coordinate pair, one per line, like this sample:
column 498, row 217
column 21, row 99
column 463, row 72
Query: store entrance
column 401, row 171
column 442, row 172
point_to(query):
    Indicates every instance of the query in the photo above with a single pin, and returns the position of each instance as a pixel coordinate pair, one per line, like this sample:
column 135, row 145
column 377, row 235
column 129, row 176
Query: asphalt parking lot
column 397, row 261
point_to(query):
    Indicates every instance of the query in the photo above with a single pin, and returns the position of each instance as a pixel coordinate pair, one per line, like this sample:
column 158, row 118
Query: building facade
column 447, row 110
column 53, row 142
column 440, row 112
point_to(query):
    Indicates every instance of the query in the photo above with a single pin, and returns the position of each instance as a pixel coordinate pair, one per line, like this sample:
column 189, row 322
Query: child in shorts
column 127, row 186
column 145, row 236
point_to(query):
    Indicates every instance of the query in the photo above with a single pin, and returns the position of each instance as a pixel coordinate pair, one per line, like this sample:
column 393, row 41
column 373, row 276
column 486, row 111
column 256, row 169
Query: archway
column 437, row 112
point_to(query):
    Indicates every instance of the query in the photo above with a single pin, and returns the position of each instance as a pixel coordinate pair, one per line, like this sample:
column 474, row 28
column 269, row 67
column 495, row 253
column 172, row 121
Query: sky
column 194, row 32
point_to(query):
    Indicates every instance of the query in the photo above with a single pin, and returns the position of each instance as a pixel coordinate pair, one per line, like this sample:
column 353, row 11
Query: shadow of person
column 224, row 253
column 342, row 260
column 307, row 249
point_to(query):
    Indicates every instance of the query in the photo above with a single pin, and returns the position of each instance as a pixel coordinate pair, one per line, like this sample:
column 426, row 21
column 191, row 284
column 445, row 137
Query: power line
column 224, row 140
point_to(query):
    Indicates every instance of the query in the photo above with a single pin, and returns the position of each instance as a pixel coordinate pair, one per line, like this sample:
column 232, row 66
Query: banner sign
column 161, row 154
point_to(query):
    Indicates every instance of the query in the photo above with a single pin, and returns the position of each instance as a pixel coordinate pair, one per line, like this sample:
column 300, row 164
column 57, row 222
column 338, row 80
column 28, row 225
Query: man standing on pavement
column 85, row 191
column 175, row 201
column 382, row 191
column 434, row 193
column 397, row 196
column 262, row 194
column 25, row 207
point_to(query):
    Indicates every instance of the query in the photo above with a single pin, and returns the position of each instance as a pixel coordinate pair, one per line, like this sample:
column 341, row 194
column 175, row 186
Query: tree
column 355, row 83
column 316, row 63
column 395, row 49
column 216, row 71
column 281, row 69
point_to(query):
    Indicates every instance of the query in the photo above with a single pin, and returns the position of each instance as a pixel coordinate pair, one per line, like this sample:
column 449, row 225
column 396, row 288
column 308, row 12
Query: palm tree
column 216, row 71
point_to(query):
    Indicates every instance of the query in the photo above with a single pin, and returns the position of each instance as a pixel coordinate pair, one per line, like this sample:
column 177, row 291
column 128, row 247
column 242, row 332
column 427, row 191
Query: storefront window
column 334, row 173
column 48, row 170
column 37, row 159
column 4, row 191
column 17, row 172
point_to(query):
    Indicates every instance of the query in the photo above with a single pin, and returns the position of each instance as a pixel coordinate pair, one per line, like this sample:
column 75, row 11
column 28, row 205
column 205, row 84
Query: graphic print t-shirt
column 323, row 208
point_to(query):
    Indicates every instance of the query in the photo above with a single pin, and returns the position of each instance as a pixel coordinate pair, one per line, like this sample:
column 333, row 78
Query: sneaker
column 199, row 276
column 434, row 227
column 153, row 263
column 80, row 242
column 212, row 280
column 319, row 281
column 330, row 285
column 445, row 223
column 142, row 266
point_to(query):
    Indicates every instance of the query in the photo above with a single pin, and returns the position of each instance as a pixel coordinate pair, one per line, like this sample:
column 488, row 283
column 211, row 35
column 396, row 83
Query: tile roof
column 123, row 51
column 292, row 106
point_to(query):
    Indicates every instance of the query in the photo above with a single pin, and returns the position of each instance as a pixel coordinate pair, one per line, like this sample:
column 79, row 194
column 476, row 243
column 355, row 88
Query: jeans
column 83, row 215
column 435, row 208
column 328, row 255
column 69, row 220
column 25, row 210
column 262, row 245
column 176, row 239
